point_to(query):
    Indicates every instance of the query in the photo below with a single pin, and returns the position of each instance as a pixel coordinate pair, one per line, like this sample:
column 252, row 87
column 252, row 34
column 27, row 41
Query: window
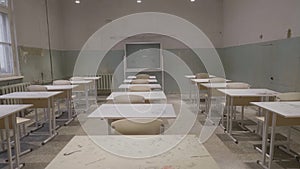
column 4, row 3
column 6, row 43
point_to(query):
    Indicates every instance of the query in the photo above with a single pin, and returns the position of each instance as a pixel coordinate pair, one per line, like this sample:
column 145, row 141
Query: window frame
column 8, row 10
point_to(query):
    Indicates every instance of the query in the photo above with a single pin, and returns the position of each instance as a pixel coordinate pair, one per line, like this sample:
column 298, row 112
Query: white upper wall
column 82, row 20
column 31, row 23
column 245, row 20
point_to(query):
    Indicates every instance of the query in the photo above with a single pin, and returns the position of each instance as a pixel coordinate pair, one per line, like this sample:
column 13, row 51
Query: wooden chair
column 138, row 126
column 62, row 97
column 202, row 76
column 76, row 79
column 129, row 99
column 139, row 89
column 281, row 121
column 238, row 85
column 140, row 81
column 61, row 82
column 21, row 124
column 217, row 80
column 142, row 76
column 37, row 88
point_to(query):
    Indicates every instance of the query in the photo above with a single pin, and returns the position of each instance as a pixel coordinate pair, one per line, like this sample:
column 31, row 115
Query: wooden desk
column 134, row 77
column 84, row 85
column 38, row 100
column 199, row 90
column 94, row 79
column 289, row 111
column 67, row 94
column 211, row 88
column 111, row 112
column 188, row 154
column 194, row 76
column 149, row 80
column 189, row 77
column 243, row 97
column 149, row 96
column 8, row 121
column 152, row 86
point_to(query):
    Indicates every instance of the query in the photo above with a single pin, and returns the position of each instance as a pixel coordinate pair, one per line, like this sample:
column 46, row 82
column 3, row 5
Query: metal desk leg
column 265, row 137
column 274, row 117
column 109, row 129
column 228, row 113
column 68, row 101
column 230, row 120
column 86, row 96
column 264, row 140
column 17, row 140
column 96, row 92
column 52, row 123
column 9, row 154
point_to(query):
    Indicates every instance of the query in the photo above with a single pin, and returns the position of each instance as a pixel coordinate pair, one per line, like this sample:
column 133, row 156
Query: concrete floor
column 226, row 153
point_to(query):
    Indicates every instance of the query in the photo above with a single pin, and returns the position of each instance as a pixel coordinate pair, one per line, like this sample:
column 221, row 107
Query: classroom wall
column 257, row 48
column 71, row 25
column 244, row 21
column 33, row 42
column 82, row 20
column 251, row 36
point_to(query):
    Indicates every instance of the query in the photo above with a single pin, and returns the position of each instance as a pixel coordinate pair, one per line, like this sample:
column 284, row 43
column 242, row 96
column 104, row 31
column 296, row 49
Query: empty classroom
column 149, row 84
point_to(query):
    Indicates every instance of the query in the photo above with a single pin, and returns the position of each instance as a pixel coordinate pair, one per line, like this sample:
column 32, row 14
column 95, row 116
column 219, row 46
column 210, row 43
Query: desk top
column 194, row 76
column 91, row 78
column 134, row 77
column 6, row 110
column 286, row 109
column 88, row 78
column 29, row 95
column 200, row 80
column 127, row 86
column 204, row 80
column 153, row 95
column 117, row 111
column 75, row 82
column 249, row 92
column 60, row 87
column 149, row 80
column 188, row 154
column 214, row 85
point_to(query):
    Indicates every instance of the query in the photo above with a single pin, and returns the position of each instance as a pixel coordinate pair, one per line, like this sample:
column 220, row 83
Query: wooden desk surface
column 78, row 82
column 117, row 111
column 214, row 85
column 248, row 92
column 149, row 80
column 153, row 95
column 194, row 76
column 60, row 87
column 188, row 154
column 285, row 109
column 6, row 110
column 29, row 95
column 153, row 86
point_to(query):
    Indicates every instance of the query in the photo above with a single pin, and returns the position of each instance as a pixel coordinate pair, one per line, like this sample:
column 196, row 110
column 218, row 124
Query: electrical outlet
column 289, row 33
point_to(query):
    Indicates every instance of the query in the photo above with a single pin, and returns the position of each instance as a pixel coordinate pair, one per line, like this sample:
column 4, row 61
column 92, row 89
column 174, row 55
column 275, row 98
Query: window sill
column 2, row 79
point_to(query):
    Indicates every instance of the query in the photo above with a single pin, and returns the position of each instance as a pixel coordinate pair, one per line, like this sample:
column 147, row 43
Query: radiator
column 19, row 87
column 105, row 82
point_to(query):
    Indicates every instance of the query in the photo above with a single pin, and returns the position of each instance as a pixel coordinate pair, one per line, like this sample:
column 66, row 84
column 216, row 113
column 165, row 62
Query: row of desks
column 111, row 112
column 191, row 154
column 257, row 97
column 8, row 113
